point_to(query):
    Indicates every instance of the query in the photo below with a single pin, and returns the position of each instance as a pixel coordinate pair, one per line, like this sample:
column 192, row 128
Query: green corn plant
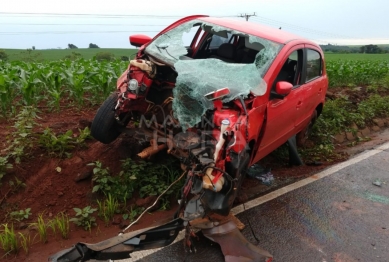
column 108, row 208
column 103, row 83
column 25, row 241
column 8, row 240
column 41, row 226
column 77, row 84
column 7, row 93
column 61, row 224
column 54, row 83
column 29, row 86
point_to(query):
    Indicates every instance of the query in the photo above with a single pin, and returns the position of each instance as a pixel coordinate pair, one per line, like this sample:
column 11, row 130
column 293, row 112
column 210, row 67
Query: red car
column 219, row 95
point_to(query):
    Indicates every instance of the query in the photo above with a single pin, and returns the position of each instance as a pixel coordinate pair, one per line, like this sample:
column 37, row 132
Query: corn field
column 87, row 82
column 352, row 73
column 80, row 82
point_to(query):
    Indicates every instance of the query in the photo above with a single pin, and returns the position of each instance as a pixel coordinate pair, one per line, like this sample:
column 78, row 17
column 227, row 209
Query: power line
column 247, row 16
column 300, row 28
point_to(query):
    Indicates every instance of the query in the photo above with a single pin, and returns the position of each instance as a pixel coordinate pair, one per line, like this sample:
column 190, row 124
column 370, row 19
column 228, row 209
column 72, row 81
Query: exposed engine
column 214, row 173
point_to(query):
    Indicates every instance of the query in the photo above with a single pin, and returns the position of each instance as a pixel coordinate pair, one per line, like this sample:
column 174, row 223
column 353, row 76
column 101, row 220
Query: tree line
column 365, row 49
column 91, row 45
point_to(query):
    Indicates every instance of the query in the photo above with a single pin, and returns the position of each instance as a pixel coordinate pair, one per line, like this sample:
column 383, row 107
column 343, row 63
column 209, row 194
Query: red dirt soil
column 50, row 192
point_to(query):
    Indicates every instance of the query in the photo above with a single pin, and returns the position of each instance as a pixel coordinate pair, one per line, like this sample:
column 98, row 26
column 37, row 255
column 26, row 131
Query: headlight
column 133, row 86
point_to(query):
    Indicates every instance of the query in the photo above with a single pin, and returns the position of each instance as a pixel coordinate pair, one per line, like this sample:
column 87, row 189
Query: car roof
column 267, row 32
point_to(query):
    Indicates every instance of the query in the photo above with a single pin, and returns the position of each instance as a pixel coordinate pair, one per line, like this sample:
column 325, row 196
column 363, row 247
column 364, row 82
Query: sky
column 49, row 24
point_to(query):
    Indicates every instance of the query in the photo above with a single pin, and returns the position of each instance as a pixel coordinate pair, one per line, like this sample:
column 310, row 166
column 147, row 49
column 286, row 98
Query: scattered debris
column 262, row 174
column 83, row 176
column 377, row 183
column 314, row 163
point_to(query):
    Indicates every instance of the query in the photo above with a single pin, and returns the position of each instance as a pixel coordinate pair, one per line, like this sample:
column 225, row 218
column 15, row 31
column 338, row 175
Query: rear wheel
column 104, row 126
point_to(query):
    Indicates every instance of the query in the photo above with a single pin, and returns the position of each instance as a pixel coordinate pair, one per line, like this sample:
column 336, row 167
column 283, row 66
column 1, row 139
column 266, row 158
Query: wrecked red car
column 219, row 95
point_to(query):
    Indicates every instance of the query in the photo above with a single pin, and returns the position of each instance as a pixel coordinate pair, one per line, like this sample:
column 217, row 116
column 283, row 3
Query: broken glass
column 169, row 46
column 197, row 77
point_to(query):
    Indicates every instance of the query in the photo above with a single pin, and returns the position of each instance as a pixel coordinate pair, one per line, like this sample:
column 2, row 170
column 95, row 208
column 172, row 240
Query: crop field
column 57, row 54
column 330, row 57
column 80, row 82
column 357, row 72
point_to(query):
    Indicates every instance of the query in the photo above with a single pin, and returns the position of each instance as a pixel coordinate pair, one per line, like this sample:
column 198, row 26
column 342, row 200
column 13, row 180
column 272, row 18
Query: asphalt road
column 336, row 215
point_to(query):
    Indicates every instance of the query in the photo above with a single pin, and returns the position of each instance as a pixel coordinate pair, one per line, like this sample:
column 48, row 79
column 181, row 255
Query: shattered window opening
column 169, row 47
column 197, row 77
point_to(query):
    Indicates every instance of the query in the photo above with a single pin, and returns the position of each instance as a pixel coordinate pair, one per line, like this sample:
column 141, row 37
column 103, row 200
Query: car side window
column 314, row 65
column 219, row 40
column 291, row 69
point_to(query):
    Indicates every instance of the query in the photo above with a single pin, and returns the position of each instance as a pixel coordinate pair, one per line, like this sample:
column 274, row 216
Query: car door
column 312, row 84
column 282, row 113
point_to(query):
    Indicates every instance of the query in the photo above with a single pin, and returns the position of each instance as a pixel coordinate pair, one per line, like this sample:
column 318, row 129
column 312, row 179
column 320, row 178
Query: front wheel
column 104, row 126
column 302, row 137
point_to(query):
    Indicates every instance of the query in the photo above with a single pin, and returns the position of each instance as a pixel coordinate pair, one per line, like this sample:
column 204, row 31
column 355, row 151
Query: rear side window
column 219, row 40
column 314, row 66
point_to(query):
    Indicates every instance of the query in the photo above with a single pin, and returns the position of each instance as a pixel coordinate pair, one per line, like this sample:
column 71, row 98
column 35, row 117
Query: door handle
column 299, row 103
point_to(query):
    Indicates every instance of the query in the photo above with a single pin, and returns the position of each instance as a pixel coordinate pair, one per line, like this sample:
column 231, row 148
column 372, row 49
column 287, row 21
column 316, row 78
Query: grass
column 25, row 242
column 57, row 54
column 107, row 208
column 61, row 224
column 9, row 240
column 41, row 226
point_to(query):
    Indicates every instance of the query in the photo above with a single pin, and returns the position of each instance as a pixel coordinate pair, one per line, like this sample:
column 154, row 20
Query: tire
column 304, row 134
column 104, row 126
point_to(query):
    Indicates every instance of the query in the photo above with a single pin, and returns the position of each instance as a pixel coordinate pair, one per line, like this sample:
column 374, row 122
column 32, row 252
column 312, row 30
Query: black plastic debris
column 262, row 174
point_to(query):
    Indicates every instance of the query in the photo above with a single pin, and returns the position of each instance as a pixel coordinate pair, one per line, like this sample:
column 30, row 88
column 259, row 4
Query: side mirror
column 139, row 40
column 218, row 94
column 283, row 88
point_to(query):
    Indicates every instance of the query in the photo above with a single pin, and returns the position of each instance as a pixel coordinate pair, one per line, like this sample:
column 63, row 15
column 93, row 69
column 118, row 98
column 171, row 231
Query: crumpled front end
column 195, row 110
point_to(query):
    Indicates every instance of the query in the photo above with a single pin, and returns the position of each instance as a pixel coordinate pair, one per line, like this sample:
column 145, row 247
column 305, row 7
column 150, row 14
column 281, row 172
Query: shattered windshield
column 200, row 76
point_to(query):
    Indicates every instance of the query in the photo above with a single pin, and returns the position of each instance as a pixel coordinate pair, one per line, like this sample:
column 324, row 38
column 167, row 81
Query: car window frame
column 285, row 58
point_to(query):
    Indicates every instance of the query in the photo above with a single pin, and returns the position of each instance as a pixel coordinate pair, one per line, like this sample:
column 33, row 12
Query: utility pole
column 247, row 16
